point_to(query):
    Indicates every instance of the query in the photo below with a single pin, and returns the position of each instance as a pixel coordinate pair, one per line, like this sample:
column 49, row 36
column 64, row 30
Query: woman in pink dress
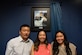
column 41, row 46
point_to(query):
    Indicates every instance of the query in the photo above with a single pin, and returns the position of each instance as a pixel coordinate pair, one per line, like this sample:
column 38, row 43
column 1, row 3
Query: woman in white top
column 61, row 46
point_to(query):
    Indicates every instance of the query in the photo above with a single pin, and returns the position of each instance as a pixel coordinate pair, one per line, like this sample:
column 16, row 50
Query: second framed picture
column 40, row 18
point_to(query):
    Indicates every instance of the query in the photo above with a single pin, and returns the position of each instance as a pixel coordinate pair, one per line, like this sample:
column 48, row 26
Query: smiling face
column 24, row 32
column 60, row 38
column 42, row 36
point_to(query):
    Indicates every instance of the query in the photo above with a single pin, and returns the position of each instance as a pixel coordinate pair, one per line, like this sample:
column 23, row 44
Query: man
column 20, row 45
column 39, row 21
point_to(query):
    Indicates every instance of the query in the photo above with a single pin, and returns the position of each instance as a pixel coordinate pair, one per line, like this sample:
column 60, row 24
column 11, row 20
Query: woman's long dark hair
column 37, row 41
column 56, row 45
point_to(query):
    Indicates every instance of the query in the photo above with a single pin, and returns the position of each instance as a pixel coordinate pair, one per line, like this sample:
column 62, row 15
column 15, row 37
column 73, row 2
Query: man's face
column 24, row 32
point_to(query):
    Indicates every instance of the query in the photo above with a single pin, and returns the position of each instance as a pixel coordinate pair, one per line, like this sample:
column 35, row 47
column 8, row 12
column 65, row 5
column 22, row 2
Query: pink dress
column 43, row 50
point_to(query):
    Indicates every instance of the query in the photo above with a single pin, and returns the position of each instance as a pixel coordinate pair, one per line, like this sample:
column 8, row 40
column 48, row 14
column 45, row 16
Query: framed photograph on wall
column 40, row 18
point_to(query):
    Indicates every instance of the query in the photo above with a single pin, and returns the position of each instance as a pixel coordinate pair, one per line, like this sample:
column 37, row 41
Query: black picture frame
column 40, row 18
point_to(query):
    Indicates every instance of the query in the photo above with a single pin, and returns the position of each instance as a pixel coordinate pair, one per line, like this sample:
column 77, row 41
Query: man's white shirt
column 17, row 46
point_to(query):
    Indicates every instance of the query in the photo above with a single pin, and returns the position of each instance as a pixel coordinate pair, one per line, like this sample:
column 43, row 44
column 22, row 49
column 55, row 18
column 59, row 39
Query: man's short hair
column 24, row 25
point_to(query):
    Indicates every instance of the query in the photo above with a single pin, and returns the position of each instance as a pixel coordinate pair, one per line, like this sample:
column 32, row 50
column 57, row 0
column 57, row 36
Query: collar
column 21, row 40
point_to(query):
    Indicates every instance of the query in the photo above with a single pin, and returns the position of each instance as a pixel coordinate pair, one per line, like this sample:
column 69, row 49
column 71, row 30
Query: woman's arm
column 32, row 50
column 50, row 49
